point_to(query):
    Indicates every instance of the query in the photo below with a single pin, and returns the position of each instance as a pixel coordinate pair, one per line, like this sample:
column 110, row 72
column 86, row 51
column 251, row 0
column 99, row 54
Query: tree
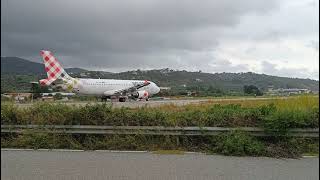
column 57, row 96
column 212, row 91
column 252, row 90
column 36, row 89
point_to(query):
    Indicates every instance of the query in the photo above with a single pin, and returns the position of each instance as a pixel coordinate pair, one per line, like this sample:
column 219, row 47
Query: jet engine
column 141, row 95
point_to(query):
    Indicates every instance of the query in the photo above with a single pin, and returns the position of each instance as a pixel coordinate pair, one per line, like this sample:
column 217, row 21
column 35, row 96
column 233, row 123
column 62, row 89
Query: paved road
column 147, row 166
column 133, row 104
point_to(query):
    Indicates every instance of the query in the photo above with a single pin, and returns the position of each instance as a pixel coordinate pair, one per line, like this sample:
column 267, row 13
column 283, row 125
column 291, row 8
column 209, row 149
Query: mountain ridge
column 177, row 79
column 18, row 65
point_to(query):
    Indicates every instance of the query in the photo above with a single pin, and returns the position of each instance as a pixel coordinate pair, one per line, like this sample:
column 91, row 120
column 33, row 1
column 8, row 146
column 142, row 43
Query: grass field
column 300, row 111
column 274, row 115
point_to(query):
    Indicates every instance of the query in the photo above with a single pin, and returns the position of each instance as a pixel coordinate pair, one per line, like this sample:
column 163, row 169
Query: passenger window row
column 107, row 84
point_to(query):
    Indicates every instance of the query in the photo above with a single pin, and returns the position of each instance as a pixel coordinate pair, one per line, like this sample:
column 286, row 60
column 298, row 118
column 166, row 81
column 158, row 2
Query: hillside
column 223, row 81
column 15, row 65
column 16, row 73
column 20, row 66
column 232, row 81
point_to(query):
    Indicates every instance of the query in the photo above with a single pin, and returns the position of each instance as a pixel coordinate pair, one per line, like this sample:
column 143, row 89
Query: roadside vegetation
column 275, row 116
column 233, row 143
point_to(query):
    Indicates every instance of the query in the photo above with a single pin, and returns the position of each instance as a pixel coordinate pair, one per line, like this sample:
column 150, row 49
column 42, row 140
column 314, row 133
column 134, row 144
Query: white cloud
column 269, row 68
column 286, row 38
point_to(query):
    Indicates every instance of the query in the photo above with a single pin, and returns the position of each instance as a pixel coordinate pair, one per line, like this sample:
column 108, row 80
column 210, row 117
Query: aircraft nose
column 157, row 89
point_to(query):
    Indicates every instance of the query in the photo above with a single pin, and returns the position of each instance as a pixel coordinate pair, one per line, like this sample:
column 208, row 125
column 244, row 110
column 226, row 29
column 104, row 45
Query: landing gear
column 141, row 99
column 122, row 99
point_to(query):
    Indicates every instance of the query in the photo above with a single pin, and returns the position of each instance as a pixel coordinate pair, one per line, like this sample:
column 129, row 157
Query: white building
column 54, row 93
column 165, row 88
column 287, row 91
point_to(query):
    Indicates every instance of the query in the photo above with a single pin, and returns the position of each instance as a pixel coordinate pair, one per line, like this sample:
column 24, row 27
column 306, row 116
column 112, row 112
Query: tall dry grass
column 269, row 113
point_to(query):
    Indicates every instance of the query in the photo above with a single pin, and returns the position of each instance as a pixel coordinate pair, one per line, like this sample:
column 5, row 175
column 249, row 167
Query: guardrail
column 149, row 130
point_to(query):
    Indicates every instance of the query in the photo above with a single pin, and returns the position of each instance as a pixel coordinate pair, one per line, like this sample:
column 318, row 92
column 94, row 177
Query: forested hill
column 15, row 65
column 16, row 73
column 225, row 81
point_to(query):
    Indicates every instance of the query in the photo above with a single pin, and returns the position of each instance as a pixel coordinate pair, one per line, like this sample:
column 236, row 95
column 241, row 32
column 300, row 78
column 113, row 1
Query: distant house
column 18, row 96
column 7, row 96
column 165, row 88
column 192, row 93
column 270, row 88
column 287, row 91
column 47, row 98
column 54, row 93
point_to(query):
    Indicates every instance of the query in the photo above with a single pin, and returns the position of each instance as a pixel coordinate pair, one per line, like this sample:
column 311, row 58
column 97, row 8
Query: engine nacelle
column 109, row 93
column 141, row 95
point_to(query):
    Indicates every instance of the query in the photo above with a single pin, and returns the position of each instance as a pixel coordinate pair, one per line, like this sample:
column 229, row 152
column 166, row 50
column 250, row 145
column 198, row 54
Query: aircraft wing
column 131, row 89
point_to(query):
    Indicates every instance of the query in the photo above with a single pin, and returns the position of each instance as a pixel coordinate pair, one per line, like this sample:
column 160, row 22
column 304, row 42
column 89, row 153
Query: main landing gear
column 122, row 99
column 114, row 98
column 141, row 99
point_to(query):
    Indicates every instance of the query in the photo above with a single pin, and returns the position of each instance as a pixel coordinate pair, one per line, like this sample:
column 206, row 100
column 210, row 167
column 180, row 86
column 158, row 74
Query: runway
column 153, row 103
column 38, row 165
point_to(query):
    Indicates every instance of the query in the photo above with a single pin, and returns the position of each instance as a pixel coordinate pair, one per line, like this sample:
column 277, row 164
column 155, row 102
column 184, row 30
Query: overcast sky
column 276, row 37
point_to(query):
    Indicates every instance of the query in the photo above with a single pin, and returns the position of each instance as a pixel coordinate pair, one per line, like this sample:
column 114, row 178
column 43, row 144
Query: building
column 287, row 91
column 83, row 74
column 18, row 96
column 165, row 88
column 47, row 98
column 54, row 93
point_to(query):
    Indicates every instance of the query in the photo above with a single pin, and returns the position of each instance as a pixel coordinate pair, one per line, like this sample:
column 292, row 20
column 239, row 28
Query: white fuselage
column 104, row 87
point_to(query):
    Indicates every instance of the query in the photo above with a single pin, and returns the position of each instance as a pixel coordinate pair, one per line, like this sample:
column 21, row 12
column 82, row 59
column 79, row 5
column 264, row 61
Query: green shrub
column 280, row 121
column 33, row 140
column 8, row 114
column 90, row 114
column 288, row 147
column 50, row 114
column 235, row 143
column 239, row 144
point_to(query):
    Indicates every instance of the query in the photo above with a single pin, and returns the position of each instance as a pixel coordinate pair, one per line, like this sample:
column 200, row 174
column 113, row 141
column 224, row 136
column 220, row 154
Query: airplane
column 104, row 88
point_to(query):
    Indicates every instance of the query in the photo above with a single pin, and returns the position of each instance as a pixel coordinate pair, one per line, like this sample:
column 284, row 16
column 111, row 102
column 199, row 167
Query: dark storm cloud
column 121, row 35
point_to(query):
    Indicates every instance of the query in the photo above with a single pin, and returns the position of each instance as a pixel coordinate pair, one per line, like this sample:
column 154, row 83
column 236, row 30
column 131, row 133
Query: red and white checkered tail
column 53, row 68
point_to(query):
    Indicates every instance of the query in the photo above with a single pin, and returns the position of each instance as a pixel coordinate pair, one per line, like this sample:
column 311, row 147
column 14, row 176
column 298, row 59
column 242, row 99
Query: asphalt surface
column 154, row 103
column 142, row 166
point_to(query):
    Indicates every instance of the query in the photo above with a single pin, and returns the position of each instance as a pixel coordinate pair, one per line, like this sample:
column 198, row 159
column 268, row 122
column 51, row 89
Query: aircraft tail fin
column 53, row 68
